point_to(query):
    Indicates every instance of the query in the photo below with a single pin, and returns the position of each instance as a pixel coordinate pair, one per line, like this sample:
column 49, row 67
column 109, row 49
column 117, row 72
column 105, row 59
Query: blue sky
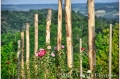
column 48, row 1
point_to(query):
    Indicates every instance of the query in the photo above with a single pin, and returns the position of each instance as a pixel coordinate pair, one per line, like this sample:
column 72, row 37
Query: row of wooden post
column 35, row 44
column 91, row 34
column 59, row 36
column 22, row 53
column 68, row 30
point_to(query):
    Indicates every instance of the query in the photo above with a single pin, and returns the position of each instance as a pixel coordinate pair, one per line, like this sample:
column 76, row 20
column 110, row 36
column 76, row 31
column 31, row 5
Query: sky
column 48, row 1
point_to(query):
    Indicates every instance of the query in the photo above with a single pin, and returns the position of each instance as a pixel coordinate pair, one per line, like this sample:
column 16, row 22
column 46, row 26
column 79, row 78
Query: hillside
column 13, row 21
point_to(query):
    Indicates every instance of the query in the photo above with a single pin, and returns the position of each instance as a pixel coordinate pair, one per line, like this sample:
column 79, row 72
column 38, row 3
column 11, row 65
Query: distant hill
column 13, row 21
column 111, row 9
column 27, row 7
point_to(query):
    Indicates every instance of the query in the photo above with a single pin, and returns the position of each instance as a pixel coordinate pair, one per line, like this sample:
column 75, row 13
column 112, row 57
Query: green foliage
column 102, row 44
column 14, row 21
column 9, row 61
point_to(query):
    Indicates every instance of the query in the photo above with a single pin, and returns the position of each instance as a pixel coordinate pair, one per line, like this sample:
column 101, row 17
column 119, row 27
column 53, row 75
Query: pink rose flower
column 36, row 54
column 52, row 54
column 55, row 48
column 41, row 53
column 82, row 49
column 62, row 47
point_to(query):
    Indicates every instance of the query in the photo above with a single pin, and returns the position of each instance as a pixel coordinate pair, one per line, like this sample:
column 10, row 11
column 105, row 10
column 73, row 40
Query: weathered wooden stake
column 36, row 39
column 36, row 33
column 59, row 35
column 22, row 59
column 27, row 50
column 48, row 23
column 18, row 56
column 69, row 33
column 91, row 37
column 110, row 53
column 80, row 58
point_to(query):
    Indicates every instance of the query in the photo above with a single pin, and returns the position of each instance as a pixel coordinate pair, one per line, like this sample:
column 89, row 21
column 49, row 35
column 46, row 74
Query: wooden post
column 22, row 59
column 69, row 33
column 91, row 37
column 48, row 23
column 27, row 50
column 36, row 33
column 110, row 53
column 36, row 39
column 80, row 58
column 59, row 35
column 18, row 56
